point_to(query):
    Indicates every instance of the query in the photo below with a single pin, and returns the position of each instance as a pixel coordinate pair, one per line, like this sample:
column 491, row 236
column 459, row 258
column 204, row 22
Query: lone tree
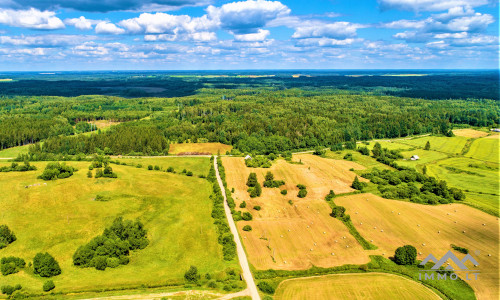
column 252, row 180
column 405, row 255
column 45, row 265
column 377, row 150
column 427, row 146
column 356, row 184
column 6, row 236
column 192, row 275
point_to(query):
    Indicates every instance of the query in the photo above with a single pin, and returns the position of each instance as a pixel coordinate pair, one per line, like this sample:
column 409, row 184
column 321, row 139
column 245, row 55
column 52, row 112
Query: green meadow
column 485, row 149
column 62, row 215
column 451, row 145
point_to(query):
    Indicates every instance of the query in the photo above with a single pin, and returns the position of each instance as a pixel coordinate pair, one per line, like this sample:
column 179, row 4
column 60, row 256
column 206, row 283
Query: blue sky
column 251, row 34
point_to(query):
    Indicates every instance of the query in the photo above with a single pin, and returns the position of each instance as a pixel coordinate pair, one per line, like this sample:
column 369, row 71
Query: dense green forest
column 263, row 119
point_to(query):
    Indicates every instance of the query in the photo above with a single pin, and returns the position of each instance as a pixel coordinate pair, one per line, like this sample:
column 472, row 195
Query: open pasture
column 197, row 165
column 212, row 148
column 298, row 235
column 354, row 286
column 431, row 229
column 61, row 216
column 14, row 151
column 469, row 133
column 451, row 145
column 485, row 149
column 425, row 157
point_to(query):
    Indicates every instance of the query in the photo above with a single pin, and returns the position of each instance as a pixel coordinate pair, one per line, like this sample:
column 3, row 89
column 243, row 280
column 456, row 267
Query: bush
column 170, row 169
column 54, row 171
column 257, row 207
column 189, row 173
column 101, row 198
column 157, row 168
column 11, row 265
column 192, row 275
column 256, row 191
column 247, row 216
column 460, row 249
column 48, row 286
column 302, row 193
column 247, row 228
column 243, row 204
column 265, row 287
column 357, row 185
column 301, row 186
column 45, row 265
column 284, row 192
column 6, row 236
column 9, row 290
column 405, row 255
column 150, row 167
column 89, row 174
column 252, row 180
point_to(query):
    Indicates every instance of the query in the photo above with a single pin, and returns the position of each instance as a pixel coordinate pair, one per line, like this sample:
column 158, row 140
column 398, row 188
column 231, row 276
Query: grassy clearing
column 212, row 148
column 295, row 236
column 354, row 286
column 431, row 229
column 451, row 145
column 61, row 216
column 426, row 157
column 364, row 160
column 485, row 149
column 197, row 165
column 469, row 133
column 486, row 203
column 391, row 145
column 14, row 151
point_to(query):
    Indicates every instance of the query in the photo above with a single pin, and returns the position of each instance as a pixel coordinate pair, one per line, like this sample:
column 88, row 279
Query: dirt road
column 247, row 275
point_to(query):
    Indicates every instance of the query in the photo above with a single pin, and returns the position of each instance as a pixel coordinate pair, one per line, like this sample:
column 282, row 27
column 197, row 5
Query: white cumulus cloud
column 108, row 28
column 31, row 18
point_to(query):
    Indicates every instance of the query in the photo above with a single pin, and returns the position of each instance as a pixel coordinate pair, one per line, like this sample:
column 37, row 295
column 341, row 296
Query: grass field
column 486, row 203
column 14, row 151
column 451, row 145
column 426, row 156
column 431, row 229
column 298, row 235
column 364, row 160
column 61, row 216
column 354, row 286
column 469, row 133
column 391, row 145
column 197, row 165
column 212, row 148
column 485, row 149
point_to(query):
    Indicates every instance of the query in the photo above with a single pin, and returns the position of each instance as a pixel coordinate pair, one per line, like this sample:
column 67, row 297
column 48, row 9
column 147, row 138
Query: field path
column 242, row 257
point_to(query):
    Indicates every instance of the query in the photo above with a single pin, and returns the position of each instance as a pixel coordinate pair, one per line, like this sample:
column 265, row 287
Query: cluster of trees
column 134, row 139
column 10, row 265
column 225, row 237
column 112, row 248
column 254, row 187
column 385, row 155
column 98, row 163
column 46, row 265
column 259, row 161
column 402, row 184
column 9, row 289
column 6, row 236
column 270, row 182
column 302, row 191
column 15, row 167
column 460, row 249
column 56, row 170
column 358, row 185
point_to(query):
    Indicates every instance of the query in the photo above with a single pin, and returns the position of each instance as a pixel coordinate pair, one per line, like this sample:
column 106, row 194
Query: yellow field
column 485, row 149
column 354, row 286
column 104, row 123
column 431, row 229
column 469, row 133
column 303, row 234
column 61, row 216
column 212, row 148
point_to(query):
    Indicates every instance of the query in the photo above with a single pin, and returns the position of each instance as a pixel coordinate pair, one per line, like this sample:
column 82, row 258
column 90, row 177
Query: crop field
column 197, row 165
column 485, row 149
column 431, row 229
column 469, row 133
column 298, row 235
column 354, row 286
column 62, row 215
column 426, row 156
column 212, row 148
column 452, row 145
column 391, row 145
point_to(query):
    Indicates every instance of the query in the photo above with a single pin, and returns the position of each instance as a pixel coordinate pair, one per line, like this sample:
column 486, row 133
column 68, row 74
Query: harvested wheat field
column 204, row 148
column 354, row 286
column 431, row 229
column 298, row 235
column 470, row 133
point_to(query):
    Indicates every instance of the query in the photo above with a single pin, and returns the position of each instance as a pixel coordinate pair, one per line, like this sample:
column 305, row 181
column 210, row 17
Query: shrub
column 247, row 228
column 150, row 167
column 55, row 170
column 48, row 286
column 256, row 207
column 256, row 191
column 192, row 275
column 170, row 169
column 302, row 193
column 189, row 173
column 301, row 186
column 252, row 180
column 348, row 156
column 247, row 216
column 11, row 265
column 265, row 287
column 9, row 290
column 100, row 197
column 157, row 168
column 45, row 265
column 89, row 174
column 284, row 192
column 460, row 249
column 357, row 185
column 6, row 236
column 243, row 204
column 405, row 255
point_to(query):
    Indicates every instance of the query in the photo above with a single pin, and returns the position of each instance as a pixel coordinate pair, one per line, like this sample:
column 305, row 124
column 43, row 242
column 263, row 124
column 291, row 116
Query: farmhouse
column 495, row 129
column 248, row 157
column 415, row 157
